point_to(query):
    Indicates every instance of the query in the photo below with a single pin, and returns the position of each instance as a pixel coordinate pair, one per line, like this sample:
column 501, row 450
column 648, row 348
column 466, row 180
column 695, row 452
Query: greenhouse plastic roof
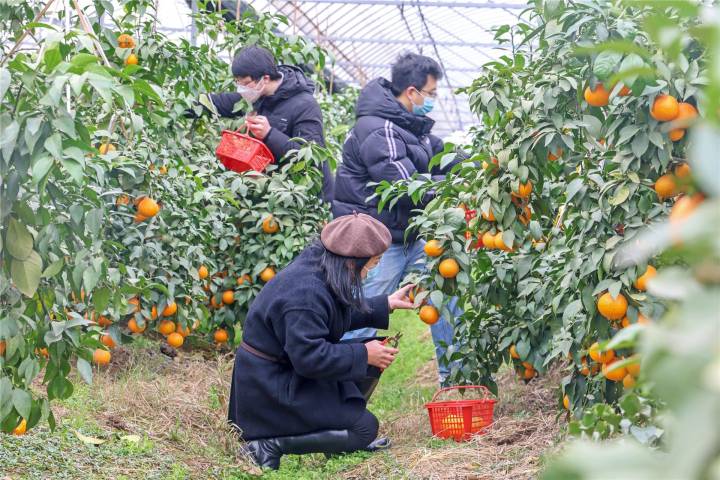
column 366, row 36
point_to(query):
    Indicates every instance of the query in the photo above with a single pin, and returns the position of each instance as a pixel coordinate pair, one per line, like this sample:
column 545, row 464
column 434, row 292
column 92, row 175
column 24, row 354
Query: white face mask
column 251, row 94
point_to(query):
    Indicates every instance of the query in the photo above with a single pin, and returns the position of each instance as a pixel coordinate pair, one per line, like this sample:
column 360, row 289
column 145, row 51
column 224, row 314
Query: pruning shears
column 393, row 341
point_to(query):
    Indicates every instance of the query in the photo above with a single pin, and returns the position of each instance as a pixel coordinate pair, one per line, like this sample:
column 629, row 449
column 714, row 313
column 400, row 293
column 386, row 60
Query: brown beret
column 356, row 235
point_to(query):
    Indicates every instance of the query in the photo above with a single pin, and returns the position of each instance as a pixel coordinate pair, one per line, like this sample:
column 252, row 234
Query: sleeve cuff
column 379, row 312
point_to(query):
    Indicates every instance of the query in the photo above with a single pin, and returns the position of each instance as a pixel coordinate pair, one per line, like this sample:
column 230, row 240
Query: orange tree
column 563, row 174
column 115, row 216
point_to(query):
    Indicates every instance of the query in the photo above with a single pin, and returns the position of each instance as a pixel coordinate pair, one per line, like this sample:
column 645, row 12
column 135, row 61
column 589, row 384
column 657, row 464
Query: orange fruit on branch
column 135, row 301
column 676, row 134
column 634, row 369
column 182, row 331
column 641, row 281
column 132, row 59
column 684, row 207
column 513, row 352
column 489, row 215
column 21, row 428
column 228, row 297
column 104, row 321
column 126, row 41
column 267, row 274
column 686, row 112
column 166, row 327
column 665, row 186
column 616, row 374
column 148, row 207
column 628, row 381
column 524, row 190
column 552, row 156
column 107, row 340
column 665, row 108
column 488, row 240
column 270, row 225
column 105, row 148
column 529, row 373
column 449, row 268
column 2, row 347
column 624, row 91
column 598, row 356
column 153, row 312
column 101, row 357
column 598, row 97
column 134, row 327
column 525, row 216
column 429, row 314
column 433, row 248
column 245, row 278
column 170, row 309
column 203, row 272
column 566, row 402
column 612, row 308
column 682, row 171
column 220, row 335
column 175, row 340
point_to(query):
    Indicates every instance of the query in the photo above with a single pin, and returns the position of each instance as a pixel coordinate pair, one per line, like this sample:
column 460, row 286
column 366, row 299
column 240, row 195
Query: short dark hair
column 343, row 275
column 411, row 69
column 255, row 62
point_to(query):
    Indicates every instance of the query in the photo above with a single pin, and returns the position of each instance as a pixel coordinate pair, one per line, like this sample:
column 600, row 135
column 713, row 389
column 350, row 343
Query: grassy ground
column 161, row 418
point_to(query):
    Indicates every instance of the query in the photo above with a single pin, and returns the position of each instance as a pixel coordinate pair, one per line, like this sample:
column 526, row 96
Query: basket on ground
column 240, row 152
column 461, row 419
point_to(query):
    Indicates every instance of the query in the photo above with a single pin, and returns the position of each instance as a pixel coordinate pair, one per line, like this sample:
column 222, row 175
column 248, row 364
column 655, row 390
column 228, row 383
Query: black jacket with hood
column 386, row 143
column 292, row 112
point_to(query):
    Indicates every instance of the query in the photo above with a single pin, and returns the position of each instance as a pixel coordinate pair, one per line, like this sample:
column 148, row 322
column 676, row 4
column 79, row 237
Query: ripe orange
column 228, row 297
column 556, row 155
column 600, row 357
column 126, row 41
column 270, row 225
column 243, row 279
column 267, row 274
column 500, row 244
column 525, row 216
column 43, row 352
column 682, row 170
column 513, row 352
column 665, row 186
column 21, row 428
column 449, row 268
column 132, row 59
column 134, row 327
column 135, row 301
column 612, row 308
column 216, row 301
column 220, row 335
column 429, row 314
column 105, row 148
column 170, row 309
column 529, row 373
column 524, row 190
column 101, row 357
column 139, row 218
column 122, row 200
column 104, row 321
column 684, row 207
column 2, row 348
column 614, row 374
column 686, row 111
column 641, row 281
column 585, row 370
column 433, row 248
column 166, row 327
column 203, row 272
column 488, row 240
column 175, row 340
column 489, row 215
column 628, row 381
column 182, row 331
column 598, row 97
column 107, row 340
column 153, row 312
column 492, row 165
column 634, row 369
column 566, row 402
column 664, row 108
column 148, row 207
column 676, row 134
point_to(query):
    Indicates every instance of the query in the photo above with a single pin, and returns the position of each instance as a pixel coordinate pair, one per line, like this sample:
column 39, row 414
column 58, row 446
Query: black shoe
column 267, row 451
column 382, row 443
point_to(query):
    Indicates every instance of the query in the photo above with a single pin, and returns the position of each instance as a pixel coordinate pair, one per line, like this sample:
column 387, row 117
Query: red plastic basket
column 461, row 419
column 240, row 152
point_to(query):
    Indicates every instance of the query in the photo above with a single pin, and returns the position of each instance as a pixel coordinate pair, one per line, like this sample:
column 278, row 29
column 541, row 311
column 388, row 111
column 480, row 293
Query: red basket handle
column 484, row 389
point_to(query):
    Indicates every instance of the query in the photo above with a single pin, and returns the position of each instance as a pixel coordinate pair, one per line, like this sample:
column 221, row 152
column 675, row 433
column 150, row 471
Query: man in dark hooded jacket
column 283, row 105
column 391, row 141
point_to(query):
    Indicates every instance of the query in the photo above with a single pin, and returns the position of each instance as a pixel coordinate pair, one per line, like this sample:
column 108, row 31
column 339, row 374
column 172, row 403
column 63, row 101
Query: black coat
column 292, row 112
column 386, row 143
column 296, row 317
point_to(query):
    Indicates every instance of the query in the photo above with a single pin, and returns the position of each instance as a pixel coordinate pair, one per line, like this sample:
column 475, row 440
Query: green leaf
column 53, row 144
column 605, row 63
column 22, row 401
column 19, row 240
column 26, row 273
column 54, row 268
column 60, row 387
column 4, row 82
column 621, row 194
column 85, row 370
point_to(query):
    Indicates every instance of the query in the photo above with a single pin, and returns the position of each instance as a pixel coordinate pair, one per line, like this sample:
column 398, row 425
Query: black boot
column 267, row 451
column 382, row 443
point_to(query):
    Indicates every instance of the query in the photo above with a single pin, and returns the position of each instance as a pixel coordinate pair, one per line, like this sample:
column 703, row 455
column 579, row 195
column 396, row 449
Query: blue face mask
column 425, row 108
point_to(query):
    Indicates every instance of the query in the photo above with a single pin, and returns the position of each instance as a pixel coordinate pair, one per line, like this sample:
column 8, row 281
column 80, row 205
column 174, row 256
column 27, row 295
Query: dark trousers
column 362, row 432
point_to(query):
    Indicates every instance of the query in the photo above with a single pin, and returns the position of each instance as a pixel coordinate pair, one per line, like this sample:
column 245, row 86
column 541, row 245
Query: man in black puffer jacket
column 283, row 105
column 391, row 141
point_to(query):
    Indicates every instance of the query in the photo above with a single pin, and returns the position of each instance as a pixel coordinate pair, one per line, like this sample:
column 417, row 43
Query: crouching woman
column 296, row 388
